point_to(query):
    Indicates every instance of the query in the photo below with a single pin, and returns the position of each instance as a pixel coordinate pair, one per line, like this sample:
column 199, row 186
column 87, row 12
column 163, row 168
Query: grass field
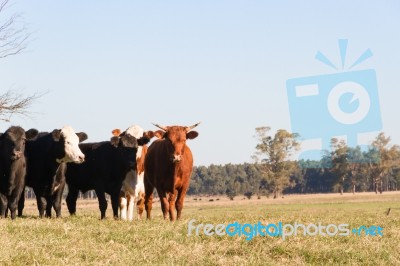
column 86, row 240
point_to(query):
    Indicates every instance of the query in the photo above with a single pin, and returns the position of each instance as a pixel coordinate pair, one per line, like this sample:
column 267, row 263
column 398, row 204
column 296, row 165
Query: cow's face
column 67, row 145
column 137, row 132
column 12, row 142
column 127, row 146
column 177, row 136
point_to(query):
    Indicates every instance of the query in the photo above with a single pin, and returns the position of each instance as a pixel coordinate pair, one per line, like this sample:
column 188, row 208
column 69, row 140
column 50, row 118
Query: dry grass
column 85, row 240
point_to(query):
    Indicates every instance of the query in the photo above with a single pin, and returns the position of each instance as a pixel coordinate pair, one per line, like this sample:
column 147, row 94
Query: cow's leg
column 140, row 205
column 171, row 202
column 57, row 200
column 47, row 213
column 114, row 203
column 3, row 205
column 71, row 199
column 12, row 204
column 148, row 198
column 164, row 202
column 122, row 205
column 101, row 197
column 56, row 204
column 21, row 203
column 131, row 206
column 41, row 203
column 179, row 202
column 148, row 204
column 13, row 200
column 49, row 205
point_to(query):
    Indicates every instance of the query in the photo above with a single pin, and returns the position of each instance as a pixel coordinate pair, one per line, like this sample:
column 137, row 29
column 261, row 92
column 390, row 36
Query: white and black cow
column 47, row 158
column 106, row 166
column 12, row 167
column 132, row 191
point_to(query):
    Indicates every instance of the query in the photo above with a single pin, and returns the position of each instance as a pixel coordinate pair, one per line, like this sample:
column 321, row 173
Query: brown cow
column 168, row 168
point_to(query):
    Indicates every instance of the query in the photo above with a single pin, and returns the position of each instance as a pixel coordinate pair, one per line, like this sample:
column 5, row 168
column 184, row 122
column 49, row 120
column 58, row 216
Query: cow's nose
column 17, row 154
column 177, row 158
column 81, row 158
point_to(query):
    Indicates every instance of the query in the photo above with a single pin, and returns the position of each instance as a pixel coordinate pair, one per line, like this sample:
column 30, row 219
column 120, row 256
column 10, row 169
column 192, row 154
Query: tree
column 13, row 40
column 274, row 152
column 248, row 194
column 230, row 193
column 382, row 159
column 13, row 103
column 340, row 163
column 13, row 35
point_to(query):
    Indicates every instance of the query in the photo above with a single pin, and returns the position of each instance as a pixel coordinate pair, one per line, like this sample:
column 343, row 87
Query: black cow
column 47, row 158
column 106, row 165
column 12, row 167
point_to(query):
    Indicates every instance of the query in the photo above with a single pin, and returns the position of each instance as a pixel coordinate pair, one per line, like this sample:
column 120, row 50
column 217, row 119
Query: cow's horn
column 162, row 127
column 191, row 127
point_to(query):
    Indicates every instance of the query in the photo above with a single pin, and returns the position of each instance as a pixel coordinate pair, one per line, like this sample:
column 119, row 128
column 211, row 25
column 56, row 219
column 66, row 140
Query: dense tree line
column 343, row 169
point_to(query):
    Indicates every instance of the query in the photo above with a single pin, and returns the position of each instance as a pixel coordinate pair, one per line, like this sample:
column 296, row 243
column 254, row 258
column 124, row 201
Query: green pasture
column 86, row 240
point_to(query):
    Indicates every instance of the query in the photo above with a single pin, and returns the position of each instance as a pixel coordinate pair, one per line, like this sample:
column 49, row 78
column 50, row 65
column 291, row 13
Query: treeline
column 343, row 169
column 249, row 179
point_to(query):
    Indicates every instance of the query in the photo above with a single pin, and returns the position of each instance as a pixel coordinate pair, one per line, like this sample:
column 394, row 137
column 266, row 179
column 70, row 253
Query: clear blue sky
column 111, row 64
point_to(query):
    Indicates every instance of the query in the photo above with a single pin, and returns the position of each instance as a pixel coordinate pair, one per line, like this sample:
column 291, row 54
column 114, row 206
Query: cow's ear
column 56, row 134
column 82, row 136
column 114, row 141
column 31, row 133
column 159, row 134
column 116, row 132
column 192, row 135
column 143, row 141
column 149, row 134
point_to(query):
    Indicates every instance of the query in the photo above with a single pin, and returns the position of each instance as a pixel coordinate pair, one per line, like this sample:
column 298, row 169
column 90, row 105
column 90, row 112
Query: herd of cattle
column 123, row 167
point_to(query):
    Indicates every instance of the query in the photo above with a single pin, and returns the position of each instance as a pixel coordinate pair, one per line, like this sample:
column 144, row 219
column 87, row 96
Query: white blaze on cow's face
column 71, row 147
column 137, row 132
